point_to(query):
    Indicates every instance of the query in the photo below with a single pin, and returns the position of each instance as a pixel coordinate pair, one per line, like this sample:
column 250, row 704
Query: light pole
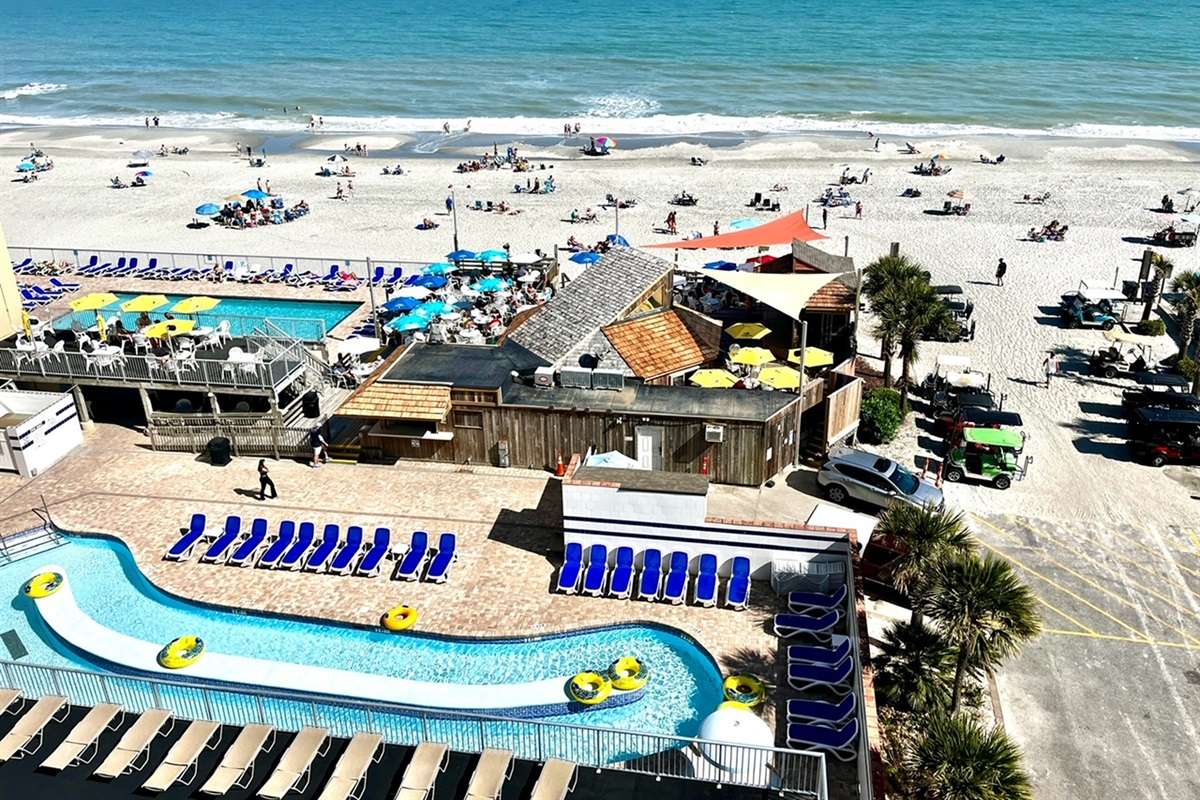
column 454, row 214
column 617, row 208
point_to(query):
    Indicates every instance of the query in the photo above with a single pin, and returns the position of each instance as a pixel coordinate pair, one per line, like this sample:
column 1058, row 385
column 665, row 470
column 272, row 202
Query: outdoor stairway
column 32, row 542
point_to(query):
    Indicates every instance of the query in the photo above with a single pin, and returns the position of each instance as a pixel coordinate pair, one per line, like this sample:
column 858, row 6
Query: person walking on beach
column 1001, row 269
column 717, row 227
column 264, row 481
column 147, row 122
column 858, row 210
column 350, row 188
column 1051, row 366
column 341, row 194
column 156, row 121
column 824, row 218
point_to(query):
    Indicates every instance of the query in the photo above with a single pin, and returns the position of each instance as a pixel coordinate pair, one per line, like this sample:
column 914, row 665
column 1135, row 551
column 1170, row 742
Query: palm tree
column 959, row 759
column 878, row 278
column 927, row 536
column 1187, row 285
column 915, row 668
column 923, row 313
column 1163, row 267
column 984, row 610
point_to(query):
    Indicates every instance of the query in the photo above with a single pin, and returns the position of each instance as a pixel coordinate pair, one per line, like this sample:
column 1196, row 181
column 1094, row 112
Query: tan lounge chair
column 135, row 744
column 8, row 701
column 296, row 763
column 557, row 778
column 429, row 759
column 181, row 758
column 238, row 763
column 493, row 769
column 350, row 773
column 85, row 737
column 26, row 736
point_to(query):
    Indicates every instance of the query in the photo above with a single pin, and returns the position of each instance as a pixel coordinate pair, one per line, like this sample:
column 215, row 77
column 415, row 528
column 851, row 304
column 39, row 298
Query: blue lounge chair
column 287, row 535
column 50, row 291
column 737, row 588
column 597, row 570
column 568, row 573
column 34, row 300
column 838, row 742
column 218, row 551
column 821, row 712
column 373, row 559
column 787, row 625
column 182, row 550
column 706, row 581
column 824, row 656
column 677, row 578
column 28, row 262
column 651, row 580
column 294, row 557
column 343, row 562
column 244, row 555
column 439, row 567
column 410, row 568
column 801, row 602
column 396, row 277
column 66, row 286
column 811, row 676
column 621, row 582
column 319, row 559
column 377, row 278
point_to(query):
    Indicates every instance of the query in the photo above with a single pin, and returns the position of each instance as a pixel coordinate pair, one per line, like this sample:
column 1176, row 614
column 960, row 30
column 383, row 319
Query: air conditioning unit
column 543, row 377
column 714, row 434
column 575, row 377
column 613, row 379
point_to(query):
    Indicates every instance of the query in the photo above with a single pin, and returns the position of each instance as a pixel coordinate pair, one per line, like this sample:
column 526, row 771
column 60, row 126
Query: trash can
column 219, row 451
column 312, row 404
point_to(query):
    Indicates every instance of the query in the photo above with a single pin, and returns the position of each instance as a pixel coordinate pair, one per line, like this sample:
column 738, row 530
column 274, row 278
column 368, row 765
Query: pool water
column 685, row 683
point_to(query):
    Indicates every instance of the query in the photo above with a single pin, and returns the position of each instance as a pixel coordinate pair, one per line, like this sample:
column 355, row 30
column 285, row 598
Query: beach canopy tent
column 779, row 231
column 787, row 293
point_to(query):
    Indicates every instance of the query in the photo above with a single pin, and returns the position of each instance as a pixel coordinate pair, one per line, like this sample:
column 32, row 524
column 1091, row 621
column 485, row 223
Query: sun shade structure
column 170, row 327
column 145, row 302
column 193, row 305
column 813, row 357
column 780, row 231
column 781, row 378
column 786, row 293
column 713, row 379
column 748, row 330
column 753, row 356
column 91, row 302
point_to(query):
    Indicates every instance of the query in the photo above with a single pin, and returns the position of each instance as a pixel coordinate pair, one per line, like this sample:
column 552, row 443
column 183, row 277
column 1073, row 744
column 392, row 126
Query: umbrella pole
column 371, row 293
column 799, row 414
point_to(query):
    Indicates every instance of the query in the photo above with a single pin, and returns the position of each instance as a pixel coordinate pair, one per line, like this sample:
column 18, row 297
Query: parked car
column 873, row 479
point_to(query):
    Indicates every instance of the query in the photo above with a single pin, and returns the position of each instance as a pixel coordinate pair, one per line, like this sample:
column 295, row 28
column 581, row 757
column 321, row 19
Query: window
column 468, row 419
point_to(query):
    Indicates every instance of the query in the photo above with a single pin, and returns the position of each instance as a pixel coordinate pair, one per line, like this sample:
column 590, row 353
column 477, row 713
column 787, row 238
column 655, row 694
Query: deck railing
column 795, row 773
column 304, row 328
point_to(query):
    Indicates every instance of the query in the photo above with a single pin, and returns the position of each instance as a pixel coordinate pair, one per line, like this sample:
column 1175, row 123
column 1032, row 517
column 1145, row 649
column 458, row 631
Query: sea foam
column 31, row 89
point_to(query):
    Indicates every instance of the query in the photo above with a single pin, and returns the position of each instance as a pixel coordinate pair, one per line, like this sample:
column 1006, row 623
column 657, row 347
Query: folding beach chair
column 819, row 712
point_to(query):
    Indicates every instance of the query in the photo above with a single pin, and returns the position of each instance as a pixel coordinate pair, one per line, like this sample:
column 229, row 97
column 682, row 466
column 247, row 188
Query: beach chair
column 218, row 551
column 820, row 712
column 237, row 766
column 811, row 676
column 396, row 277
column 409, row 569
column 371, row 562
column 319, row 560
column 737, row 588
column 494, row 768
column 788, row 625
column 26, row 736
column 197, row 530
column 597, row 570
column 677, row 578
column 294, row 557
column 803, row 602
column 556, row 779
column 81, row 744
column 287, row 535
column 376, row 279
column 841, row 743
column 428, row 760
column 447, row 554
column 824, row 656
column 568, row 573
column 651, row 579
column 66, row 286
column 706, row 581
column 621, row 583
column 343, row 562
column 135, row 744
column 350, row 772
column 8, row 701
column 243, row 556
column 296, row 763
column 179, row 765
column 35, row 300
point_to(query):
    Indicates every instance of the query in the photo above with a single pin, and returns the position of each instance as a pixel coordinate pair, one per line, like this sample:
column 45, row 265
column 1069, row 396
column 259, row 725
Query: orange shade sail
column 780, row 231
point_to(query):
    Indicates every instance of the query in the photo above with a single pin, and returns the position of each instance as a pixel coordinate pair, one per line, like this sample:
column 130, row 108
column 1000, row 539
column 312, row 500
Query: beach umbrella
column 1189, row 192
column 533, row 276
column 431, row 308
column 493, row 255
column 940, row 157
column 26, row 166
column 145, row 302
column 27, row 324
column 753, row 356
column 742, row 224
column 101, row 326
column 336, row 157
column 813, row 357
column 208, row 209
column 713, row 378
column 724, row 266
column 256, row 194
column 781, row 377
column 411, row 322
column 234, row 198
column 460, row 255
column 748, row 330
column 616, row 238
column 441, row 268
column 170, row 327
column 93, row 301
column 525, row 259
column 404, row 304
column 144, row 174
column 359, row 345
column 605, row 143
column 431, row 281
column 960, row 194
column 490, row 285
column 142, row 154
column 194, row 305
column 586, row 257
column 416, row 292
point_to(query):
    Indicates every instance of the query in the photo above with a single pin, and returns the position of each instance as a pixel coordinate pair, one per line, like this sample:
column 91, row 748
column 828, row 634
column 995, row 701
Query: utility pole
column 454, row 214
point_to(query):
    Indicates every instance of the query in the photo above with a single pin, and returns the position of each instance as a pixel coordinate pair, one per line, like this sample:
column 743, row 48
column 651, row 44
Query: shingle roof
column 379, row 400
column 836, row 296
column 807, row 255
column 601, row 295
column 665, row 341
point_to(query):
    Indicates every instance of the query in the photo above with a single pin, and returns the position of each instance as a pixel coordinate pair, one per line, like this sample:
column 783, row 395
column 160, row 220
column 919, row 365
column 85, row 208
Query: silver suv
column 873, row 479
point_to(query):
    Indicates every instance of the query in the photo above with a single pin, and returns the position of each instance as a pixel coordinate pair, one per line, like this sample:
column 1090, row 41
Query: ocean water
column 641, row 67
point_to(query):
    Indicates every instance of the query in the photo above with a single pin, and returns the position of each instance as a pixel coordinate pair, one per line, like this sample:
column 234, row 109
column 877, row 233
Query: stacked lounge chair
column 296, row 763
column 81, row 744
column 820, row 712
column 650, row 582
column 179, row 765
column 737, row 589
column 26, row 736
column 621, row 583
column 788, row 625
column 825, row 656
column 135, row 744
column 597, row 570
column 572, row 567
column 809, row 676
column 447, row 554
column 237, row 765
column 842, row 743
column 294, row 558
column 350, row 773
column 805, row 602
column 428, row 760
column 706, row 581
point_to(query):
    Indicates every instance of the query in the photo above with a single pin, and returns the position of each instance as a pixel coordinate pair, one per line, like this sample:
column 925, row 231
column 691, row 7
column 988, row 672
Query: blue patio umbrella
column 401, row 304
column 585, row 257
column 724, row 266
column 208, row 209
column 411, row 322
column 256, row 194
column 431, row 308
column 144, row 174
column 460, row 255
column 26, row 166
column 616, row 238
column 490, row 285
column 431, row 281
column 443, row 268
column 493, row 255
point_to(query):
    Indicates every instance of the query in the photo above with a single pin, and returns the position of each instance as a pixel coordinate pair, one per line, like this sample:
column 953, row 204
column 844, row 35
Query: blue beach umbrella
column 25, row 166
column 256, row 194
column 460, row 255
column 431, row 308
column 493, row 255
column 585, row 257
column 401, row 304
column 208, row 209
column 431, row 281
column 616, row 238
column 490, row 285
column 411, row 322
column 724, row 266
column 144, row 174
column 443, row 268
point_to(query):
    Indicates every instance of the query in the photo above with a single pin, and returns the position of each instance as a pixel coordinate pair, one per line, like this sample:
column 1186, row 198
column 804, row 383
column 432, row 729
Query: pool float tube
column 400, row 618
column 43, row 585
column 590, row 688
column 181, row 652
column 628, row 673
column 745, row 689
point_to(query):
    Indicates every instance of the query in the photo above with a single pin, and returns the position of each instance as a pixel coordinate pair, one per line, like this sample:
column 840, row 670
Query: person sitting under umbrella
column 138, row 180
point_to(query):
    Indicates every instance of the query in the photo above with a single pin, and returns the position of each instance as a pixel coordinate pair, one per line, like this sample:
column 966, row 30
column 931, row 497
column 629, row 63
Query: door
column 649, row 447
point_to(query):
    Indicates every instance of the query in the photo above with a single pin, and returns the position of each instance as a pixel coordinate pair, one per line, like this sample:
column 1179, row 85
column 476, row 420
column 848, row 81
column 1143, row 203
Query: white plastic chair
column 223, row 331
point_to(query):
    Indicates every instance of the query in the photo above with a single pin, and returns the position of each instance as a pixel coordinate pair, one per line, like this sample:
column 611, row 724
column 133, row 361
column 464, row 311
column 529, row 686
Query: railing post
column 157, row 697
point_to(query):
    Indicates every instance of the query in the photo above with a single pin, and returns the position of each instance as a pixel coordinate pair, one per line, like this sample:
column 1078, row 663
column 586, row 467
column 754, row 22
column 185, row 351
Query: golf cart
column 1092, row 307
column 1159, row 435
column 989, row 455
column 949, row 371
column 962, row 307
column 1087, row 315
column 1129, row 354
column 971, row 415
column 1161, row 390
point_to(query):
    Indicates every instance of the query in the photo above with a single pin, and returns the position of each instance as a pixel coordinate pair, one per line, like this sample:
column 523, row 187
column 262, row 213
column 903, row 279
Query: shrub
column 1151, row 327
column 1186, row 367
column 881, row 416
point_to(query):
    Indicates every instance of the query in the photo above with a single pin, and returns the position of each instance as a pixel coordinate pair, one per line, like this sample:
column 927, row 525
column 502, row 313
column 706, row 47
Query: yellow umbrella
column 753, row 356
column 101, row 326
column 781, row 377
column 93, row 301
column 748, row 330
column 145, row 302
column 713, row 378
column 193, row 305
column 27, row 324
column 170, row 327
column 813, row 357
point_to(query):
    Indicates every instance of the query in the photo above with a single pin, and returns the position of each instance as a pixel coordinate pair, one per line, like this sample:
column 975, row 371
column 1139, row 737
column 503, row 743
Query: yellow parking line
column 1195, row 539
column 1107, row 637
column 1068, row 617
column 1157, row 554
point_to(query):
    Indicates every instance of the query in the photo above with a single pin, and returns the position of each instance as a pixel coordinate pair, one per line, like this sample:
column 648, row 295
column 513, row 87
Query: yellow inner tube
column 43, row 585
column 628, row 673
column 400, row 618
column 733, row 704
column 745, row 689
column 181, row 652
column 590, row 688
